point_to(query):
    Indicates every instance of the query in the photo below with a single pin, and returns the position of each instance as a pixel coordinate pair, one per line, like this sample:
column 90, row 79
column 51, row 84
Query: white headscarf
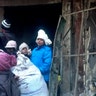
column 43, row 35
column 22, row 45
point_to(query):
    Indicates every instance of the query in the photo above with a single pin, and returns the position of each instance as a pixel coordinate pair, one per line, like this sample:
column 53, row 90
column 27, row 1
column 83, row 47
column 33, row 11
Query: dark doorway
column 27, row 20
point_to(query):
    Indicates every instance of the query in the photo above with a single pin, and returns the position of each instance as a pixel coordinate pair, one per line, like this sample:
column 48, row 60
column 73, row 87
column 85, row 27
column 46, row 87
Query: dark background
column 27, row 20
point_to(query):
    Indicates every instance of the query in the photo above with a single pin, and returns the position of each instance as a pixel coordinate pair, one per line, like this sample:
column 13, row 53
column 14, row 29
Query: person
column 30, row 79
column 24, row 49
column 11, row 47
column 42, row 54
column 5, row 34
column 8, row 83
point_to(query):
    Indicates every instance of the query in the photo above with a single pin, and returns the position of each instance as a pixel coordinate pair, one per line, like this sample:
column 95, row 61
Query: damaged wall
column 74, row 65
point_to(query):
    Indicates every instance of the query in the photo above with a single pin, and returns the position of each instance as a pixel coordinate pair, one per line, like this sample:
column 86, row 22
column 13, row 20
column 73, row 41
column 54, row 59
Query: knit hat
column 5, row 24
column 11, row 44
column 23, row 45
column 43, row 35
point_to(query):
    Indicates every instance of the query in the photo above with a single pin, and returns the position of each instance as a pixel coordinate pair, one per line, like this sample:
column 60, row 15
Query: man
column 5, row 34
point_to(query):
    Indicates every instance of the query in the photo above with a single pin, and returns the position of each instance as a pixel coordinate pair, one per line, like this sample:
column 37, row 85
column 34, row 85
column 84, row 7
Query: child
column 42, row 54
column 11, row 47
column 24, row 49
column 31, row 82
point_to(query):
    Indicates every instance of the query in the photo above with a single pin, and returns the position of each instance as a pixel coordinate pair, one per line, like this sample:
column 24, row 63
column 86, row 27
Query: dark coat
column 4, row 38
column 8, row 85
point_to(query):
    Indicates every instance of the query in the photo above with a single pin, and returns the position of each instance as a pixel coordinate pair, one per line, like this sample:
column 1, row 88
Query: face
column 40, row 42
column 10, row 50
column 24, row 51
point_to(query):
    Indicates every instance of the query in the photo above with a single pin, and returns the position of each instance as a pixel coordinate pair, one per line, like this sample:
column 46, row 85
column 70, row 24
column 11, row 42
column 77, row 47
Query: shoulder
column 34, row 49
column 21, row 56
column 10, row 35
column 47, row 48
column 1, row 34
column 43, row 48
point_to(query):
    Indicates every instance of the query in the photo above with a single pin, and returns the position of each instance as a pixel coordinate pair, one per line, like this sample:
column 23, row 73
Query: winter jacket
column 7, row 61
column 41, row 57
column 31, row 82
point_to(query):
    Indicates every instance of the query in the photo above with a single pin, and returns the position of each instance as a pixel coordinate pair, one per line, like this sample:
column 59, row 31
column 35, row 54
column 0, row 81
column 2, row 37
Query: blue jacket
column 42, row 57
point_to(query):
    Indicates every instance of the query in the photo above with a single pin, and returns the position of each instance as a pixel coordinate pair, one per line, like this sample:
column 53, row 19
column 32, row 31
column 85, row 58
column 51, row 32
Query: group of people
column 31, row 68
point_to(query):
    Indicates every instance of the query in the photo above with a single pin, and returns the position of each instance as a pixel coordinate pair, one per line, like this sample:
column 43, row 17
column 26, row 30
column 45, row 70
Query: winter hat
column 43, row 35
column 23, row 45
column 5, row 24
column 11, row 44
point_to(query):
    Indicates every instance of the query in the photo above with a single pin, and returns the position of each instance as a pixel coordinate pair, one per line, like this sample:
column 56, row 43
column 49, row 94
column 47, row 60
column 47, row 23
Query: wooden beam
column 26, row 2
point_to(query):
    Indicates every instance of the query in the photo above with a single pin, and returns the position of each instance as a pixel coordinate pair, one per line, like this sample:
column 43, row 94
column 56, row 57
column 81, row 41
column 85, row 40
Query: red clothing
column 7, row 61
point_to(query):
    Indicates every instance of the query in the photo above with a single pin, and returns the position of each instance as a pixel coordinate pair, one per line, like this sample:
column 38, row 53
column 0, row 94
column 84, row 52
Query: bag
column 8, row 84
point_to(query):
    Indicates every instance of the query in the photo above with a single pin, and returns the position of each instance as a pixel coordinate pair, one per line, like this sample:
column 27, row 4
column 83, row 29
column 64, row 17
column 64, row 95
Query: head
column 5, row 24
column 40, row 41
column 42, row 38
column 11, row 47
column 23, row 48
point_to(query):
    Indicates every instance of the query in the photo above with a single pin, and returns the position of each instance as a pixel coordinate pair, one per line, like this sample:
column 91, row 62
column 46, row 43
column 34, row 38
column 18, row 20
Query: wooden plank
column 55, row 69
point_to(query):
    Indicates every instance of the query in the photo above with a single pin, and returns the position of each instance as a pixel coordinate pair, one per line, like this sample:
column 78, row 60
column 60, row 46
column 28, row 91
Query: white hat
column 11, row 44
column 43, row 35
column 23, row 45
